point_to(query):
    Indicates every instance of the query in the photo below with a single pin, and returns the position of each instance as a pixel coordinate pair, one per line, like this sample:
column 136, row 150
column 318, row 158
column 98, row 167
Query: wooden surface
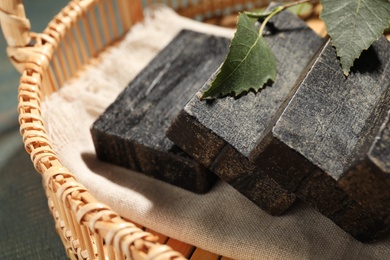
column 221, row 134
column 131, row 132
column 329, row 124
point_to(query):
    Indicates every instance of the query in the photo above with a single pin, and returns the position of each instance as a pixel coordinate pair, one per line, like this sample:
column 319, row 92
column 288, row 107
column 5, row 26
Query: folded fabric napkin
column 221, row 221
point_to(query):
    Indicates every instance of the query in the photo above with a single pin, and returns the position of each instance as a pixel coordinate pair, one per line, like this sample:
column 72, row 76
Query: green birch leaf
column 250, row 63
column 354, row 25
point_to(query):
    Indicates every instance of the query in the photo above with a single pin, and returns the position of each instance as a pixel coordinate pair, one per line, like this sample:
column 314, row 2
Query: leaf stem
column 266, row 20
column 279, row 9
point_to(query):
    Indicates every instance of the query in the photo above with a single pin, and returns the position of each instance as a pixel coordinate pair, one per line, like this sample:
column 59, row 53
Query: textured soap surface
column 131, row 132
column 222, row 133
column 329, row 124
column 380, row 149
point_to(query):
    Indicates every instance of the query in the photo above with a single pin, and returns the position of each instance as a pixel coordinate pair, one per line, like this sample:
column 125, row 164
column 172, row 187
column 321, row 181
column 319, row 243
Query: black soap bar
column 367, row 181
column 327, row 126
column 222, row 134
column 131, row 132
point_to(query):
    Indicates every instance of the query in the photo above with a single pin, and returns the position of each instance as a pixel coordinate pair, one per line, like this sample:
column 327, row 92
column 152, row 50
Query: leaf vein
column 340, row 7
column 372, row 12
column 242, row 44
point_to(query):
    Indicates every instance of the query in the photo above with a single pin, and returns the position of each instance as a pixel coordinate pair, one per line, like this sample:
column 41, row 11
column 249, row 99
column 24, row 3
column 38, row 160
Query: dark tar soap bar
column 368, row 180
column 327, row 126
column 131, row 132
column 222, row 134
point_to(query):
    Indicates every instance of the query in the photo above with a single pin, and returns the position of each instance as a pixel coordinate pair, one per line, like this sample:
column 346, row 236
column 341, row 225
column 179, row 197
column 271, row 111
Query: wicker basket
column 88, row 228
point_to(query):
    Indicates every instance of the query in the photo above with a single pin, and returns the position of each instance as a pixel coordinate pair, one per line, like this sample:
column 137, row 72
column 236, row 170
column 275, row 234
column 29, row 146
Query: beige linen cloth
column 221, row 221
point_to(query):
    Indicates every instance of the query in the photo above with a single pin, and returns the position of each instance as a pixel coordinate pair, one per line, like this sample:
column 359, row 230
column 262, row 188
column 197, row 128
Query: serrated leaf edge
column 207, row 95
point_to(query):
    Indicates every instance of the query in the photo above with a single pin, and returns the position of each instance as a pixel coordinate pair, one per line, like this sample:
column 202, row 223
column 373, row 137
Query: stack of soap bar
column 221, row 134
column 329, row 124
column 131, row 132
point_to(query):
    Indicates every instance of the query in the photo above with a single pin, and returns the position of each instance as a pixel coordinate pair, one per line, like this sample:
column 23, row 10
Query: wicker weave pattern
column 88, row 228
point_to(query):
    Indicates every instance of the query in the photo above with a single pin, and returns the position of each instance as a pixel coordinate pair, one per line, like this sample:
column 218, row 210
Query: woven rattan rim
column 88, row 228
